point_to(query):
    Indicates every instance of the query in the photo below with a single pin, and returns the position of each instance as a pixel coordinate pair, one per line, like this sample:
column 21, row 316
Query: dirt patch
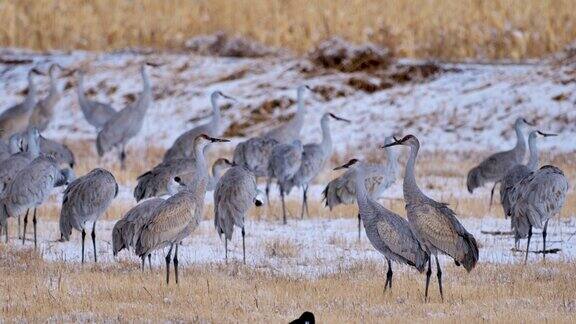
column 336, row 53
column 221, row 44
column 234, row 75
column 260, row 114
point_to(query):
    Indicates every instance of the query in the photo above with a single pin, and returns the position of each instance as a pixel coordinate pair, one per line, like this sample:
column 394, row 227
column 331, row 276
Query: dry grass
column 34, row 290
column 421, row 28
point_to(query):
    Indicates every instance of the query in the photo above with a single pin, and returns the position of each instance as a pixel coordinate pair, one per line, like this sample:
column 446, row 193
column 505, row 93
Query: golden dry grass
column 34, row 290
column 420, row 28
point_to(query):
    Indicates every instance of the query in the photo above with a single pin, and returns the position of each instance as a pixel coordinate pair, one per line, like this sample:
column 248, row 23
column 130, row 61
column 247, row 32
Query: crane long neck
column 199, row 153
column 80, row 89
column 298, row 120
column 33, row 146
column 53, row 85
column 392, row 160
column 410, row 186
column 326, row 137
column 216, row 116
column 533, row 160
column 520, row 148
column 31, row 96
column 361, row 193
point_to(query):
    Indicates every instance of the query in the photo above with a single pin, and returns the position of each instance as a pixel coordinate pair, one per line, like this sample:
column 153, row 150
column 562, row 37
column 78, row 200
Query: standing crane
column 30, row 188
column 494, row 168
column 85, row 200
column 254, row 154
column 518, row 172
column 314, row 157
column 235, row 192
column 433, row 223
column 290, row 131
column 177, row 217
column 43, row 112
column 127, row 123
column 96, row 113
column 378, row 177
column 389, row 233
column 285, row 161
column 15, row 119
column 182, row 147
column 127, row 230
column 541, row 195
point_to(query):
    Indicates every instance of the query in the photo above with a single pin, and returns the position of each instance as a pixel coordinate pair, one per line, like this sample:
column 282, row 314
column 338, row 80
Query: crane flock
column 171, row 195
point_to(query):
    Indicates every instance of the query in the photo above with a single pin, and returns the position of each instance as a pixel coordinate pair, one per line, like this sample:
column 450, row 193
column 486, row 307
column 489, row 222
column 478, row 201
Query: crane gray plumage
column 540, row 196
column 29, row 150
column 433, row 223
column 60, row 152
column 284, row 162
column 15, row 119
column 235, row 193
column 5, row 150
column 178, row 216
column 43, row 112
column 125, row 124
column 254, row 154
column 495, row 167
column 219, row 167
column 290, row 131
column 96, row 113
column 389, row 233
column 517, row 173
column 156, row 182
column 85, row 200
column 182, row 147
column 314, row 157
column 30, row 188
column 378, row 178
column 127, row 230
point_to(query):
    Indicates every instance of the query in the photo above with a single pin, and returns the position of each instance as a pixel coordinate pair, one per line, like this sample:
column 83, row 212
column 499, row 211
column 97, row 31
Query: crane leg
column 34, row 221
column 303, row 202
column 168, row 264
column 428, row 274
column 94, row 241
column 143, row 262
column 306, row 201
column 388, row 283
column 149, row 262
column 544, row 234
column 528, row 244
column 25, row 223
column 243, row 245
column 359, row 227
column 492, row 194
column 19, row 227
column 83, row 238
column 176, row 263
column 267, row 190
column 283, row 206
column 123, row 158
column 226, row 249
column 439, row 275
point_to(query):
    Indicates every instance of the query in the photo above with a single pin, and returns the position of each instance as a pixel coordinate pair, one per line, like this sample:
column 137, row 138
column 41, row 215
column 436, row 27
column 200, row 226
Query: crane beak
column 228, row 97
column 339, row 118
column 308, row 87
column 396, row 142
column 35, row 70
column 214, row 139
column 527, row 122
column 152, row 64
column 347, row 165
column 546, row 134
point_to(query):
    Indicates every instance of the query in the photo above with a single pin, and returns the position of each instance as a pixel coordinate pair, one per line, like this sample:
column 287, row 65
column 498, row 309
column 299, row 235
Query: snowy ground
column 308, row 248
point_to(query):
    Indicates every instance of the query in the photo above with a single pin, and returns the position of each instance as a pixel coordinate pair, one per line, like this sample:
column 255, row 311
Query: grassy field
column 512, row 29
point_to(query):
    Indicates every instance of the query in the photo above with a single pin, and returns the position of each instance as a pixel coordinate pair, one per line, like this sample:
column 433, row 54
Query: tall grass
column 512, row 29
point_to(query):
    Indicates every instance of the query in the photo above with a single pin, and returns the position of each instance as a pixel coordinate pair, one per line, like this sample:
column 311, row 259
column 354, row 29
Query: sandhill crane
column 126, row 123
column 19, row 160
column 30, row 188
column 379, row 177
column 60, row 152
column 254, row 154
column 518, row 172
column 126, row 231
column 13, row 147
column 176, row 218
column 15, row 119
column 305, row 318
column 155, row 182
column 182, row 147
column 494, row 168
column 44, row 110
column 433, row 223
column 234, row 194
column 541, row 195
column 314, row 156
column 284, row 162
column 388, row 232
column 85, row 200
column 96, row 113
column 290, row 131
